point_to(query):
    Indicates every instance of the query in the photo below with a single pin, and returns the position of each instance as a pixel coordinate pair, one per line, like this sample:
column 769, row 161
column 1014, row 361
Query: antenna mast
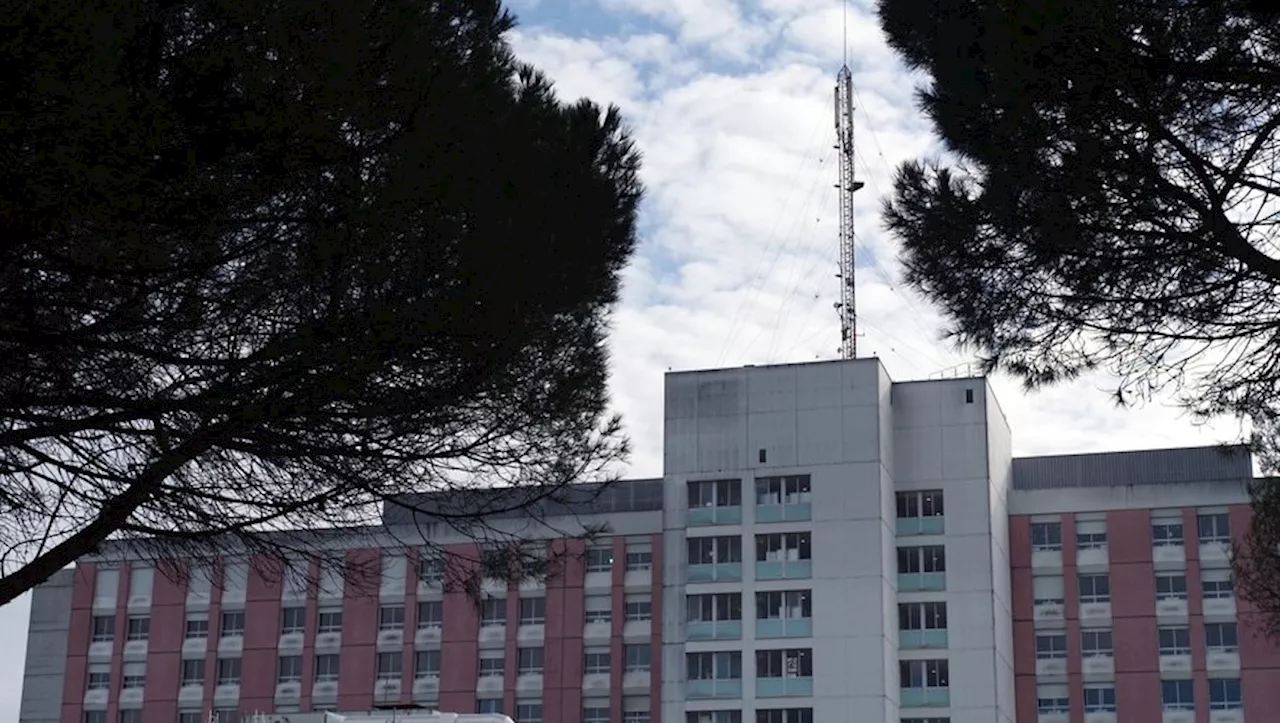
column 848, row 185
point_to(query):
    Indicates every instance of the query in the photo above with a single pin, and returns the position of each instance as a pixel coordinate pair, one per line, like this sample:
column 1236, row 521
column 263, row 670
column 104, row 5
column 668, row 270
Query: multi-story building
column 825, row 545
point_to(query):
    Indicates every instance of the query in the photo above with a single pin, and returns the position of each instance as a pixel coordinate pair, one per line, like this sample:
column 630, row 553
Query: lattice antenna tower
column 848, row 185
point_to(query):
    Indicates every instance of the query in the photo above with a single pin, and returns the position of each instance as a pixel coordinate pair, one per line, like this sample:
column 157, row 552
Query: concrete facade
column 824, row 540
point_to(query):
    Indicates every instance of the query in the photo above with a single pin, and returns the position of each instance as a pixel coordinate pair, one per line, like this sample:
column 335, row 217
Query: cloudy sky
column 731, row 103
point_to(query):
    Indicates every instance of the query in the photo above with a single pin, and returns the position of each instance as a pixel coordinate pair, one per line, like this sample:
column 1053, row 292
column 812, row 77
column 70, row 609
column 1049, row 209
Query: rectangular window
column 1046, row 536
column 492, row 667
column 134, row 675
column 430, row 614
column 228, row 671
column 785, row 490
column 193, row 672
column 1091, row 534
column 233, row 624
column 1099, row 698
column 1047, row 589
column 529, row 712
column 1217, row 584
column 638, row 608
column 191, row 716
column 493, row 612
column 293, row 620
column 390, row 666
column 1214, row 528
column 1225, row 694
column 715, row 493
column 1171, row 586
column 637, row 658
column 1052, row 699
column 533, row 611
column 714, row 550
column 139, row 628
column 289, row 669
column 923, row 674
column 1051, row 646
column 426, row 664
column 927, row 503
column 530, row 661
column 725, row 665
column 1177, row 695
column 599, row 559
column 1095, row 588
column 596, row 662
column 784, row 605
column 713, row 716
column 792, row 663
column 95, row 716
column 930, row 558
column 99, row 677
column 1166, row 533
column 791, row 715
column 1096, row 643
column 1174, row 640
column 327, row 668
column 922, row 616
column 228, row 715
column 134, row 715
column 783, row 547
column 104, row 628
column 599, row 608
column 391, row 617
column 595, row 714
column 639, row 561
column 197, row 627
column 430, row 569
column 491, row 706
column 715, row 606
column 1221, row 637
column 329, row 621
column 635, row 716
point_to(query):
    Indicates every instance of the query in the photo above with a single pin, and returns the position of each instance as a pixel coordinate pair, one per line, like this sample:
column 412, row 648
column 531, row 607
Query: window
column 599, row 559
column 430, row 614
column 923, row 674
column 493, row 612
column 197, row 628
column 1166, row 533
column 228, row 671
column 391, row 617
column 1220, row 637
column 930, row 558
column 104, row 628
column 492, row 667
column 529, row 712
column 489, row 705
column 1214, row 528
column 636, row 657
column 1095, row 588
column 715, row 493
column 1217, row 584
column 927, row 503
column 1046, row 536
column 635, row 716
column 1051, row 647
column 293, row 620
column 1053, row 699
column 289, row 669
column 714, row 550
column 712, row 607
column 785, row 715
column 327, row 668
column 529, row 661
column 329, row 621
column 430, row 570
column 784, row 605
column 596, row 661
column 132, row 715
column 638, row 608
column 193, row 672
column 1096, row 643
column 228, row 715
column 783, row 547
column 1174, row 641
column 1091, row 540
column 1224, row 694
column 139, row 628
column 713, row 716
column 426, row 664
column 922, row 616
column 595, row 713
column 233, row 624
column 1171, row 586
column 134, row 675
column 533, row 611
column 193, row 716
column 725, row 665
column 786, row 490
column 639, row 560
column 99, row 677
column 793, row 663
column 1099, row 698
column 1047, row 589
column 390, row 666
column 1177, row 695
column 599, row 608
column 95, row 716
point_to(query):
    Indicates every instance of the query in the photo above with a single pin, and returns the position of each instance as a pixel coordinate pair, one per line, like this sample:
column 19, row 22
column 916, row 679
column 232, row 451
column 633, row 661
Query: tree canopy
column 269, row 263
column 1109, row 195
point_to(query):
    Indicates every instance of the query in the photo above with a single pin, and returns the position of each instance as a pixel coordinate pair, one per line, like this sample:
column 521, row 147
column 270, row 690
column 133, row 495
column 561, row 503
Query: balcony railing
column 701, row 516
column 783, row 687
column 917, row 639
column 715, row 688
column 921, row 526
column 784, row 570
column 918, row 581
column 924, row 697
column 714, row 630
column 794, row 512
column 784, row 628
column 718, row 572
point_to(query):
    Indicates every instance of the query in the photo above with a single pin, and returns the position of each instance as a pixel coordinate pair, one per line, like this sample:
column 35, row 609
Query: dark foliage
column 267, row 263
